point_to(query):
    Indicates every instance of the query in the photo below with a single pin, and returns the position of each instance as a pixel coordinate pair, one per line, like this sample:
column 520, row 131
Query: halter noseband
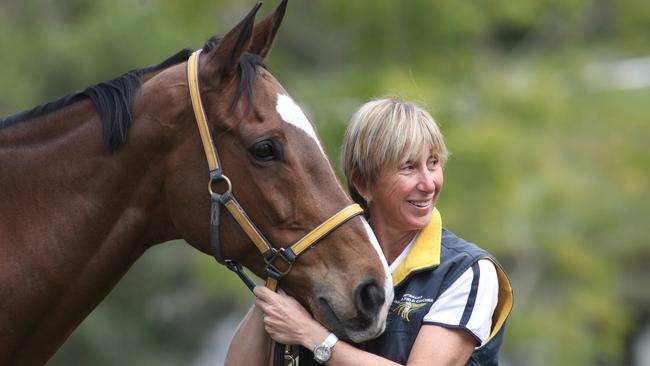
column 272, row 257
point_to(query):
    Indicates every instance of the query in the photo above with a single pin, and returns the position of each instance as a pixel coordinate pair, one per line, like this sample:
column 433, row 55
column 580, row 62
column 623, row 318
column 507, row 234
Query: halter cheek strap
column 278, row 261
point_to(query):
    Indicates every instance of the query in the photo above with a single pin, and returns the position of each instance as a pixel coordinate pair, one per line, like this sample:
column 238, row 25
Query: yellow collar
column 425, row 251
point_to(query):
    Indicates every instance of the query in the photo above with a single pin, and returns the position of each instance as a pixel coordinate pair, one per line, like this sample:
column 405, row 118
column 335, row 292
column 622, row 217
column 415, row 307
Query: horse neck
column 73, row 219
column 59, row 167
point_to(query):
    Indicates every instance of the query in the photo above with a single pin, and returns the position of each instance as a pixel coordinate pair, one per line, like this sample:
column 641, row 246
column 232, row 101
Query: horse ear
column 265, row 31
column 223, row 59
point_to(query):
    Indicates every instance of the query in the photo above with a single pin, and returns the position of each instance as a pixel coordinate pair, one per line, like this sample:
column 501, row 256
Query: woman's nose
column 426, row 182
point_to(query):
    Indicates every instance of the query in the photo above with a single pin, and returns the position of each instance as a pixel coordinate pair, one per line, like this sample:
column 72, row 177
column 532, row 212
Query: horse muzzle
column 366, row 320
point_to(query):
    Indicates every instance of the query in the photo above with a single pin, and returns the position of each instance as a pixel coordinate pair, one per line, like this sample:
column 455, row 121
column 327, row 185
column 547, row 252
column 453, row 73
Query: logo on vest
column 409, row 303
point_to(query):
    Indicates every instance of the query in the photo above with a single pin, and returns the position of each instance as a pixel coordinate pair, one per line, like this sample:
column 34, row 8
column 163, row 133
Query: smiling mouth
column 421, row 204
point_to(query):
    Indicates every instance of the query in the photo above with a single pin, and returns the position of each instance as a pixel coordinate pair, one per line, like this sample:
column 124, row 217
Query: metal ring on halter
column 221, row 177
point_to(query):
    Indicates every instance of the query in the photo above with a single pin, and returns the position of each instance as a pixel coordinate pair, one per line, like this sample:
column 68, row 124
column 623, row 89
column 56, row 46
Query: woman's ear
column 362, row 190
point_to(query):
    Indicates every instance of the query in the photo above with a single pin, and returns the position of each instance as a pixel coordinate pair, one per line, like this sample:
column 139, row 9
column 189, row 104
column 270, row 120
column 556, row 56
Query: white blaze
column 388, row 282
column 292, row 114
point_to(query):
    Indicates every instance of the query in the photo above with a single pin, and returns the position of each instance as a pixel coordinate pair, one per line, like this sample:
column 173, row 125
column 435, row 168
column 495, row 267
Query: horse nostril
column 369, row 298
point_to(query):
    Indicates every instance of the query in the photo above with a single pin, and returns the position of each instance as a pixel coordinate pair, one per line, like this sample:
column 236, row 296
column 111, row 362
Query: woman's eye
column 433, row 162
column 265, row 151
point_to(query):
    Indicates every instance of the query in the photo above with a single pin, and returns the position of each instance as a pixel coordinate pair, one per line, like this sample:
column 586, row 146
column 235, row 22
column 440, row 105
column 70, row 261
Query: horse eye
column 265, row 151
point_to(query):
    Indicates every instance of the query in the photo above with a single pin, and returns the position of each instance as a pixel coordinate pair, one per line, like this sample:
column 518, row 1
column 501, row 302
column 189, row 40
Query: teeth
column 421, row 203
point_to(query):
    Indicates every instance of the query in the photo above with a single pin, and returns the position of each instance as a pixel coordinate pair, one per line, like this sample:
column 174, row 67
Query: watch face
column 322, row 353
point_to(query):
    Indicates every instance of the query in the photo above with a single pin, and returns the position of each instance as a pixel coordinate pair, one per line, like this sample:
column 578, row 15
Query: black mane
column 114, row 99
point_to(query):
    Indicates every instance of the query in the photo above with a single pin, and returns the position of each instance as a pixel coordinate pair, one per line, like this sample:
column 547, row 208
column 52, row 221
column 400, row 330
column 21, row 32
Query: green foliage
column 549, row 171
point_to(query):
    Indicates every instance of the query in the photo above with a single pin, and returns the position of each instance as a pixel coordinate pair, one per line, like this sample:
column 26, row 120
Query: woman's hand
column 286, row 321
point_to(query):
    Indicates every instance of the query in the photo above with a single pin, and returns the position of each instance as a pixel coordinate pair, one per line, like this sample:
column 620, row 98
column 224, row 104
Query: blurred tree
column 549, row 168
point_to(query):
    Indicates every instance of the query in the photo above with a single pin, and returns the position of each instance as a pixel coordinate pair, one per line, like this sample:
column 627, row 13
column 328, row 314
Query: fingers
column 262, row 292
column 267, row 301
column 284, row 318
column 276, row 306
column 273, row 298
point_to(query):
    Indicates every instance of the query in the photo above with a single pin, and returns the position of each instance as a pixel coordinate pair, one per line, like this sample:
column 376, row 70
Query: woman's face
column 402, row 199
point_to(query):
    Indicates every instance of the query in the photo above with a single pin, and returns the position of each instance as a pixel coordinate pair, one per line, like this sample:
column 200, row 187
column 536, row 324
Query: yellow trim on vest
column 425, row 251
column 504, row 305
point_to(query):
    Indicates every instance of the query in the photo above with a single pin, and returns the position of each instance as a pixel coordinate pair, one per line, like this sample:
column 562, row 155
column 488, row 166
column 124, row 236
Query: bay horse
column 92, row 180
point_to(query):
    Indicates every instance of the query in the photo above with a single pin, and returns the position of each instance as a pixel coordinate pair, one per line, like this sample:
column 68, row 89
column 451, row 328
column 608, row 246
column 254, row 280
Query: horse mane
column 114, row 99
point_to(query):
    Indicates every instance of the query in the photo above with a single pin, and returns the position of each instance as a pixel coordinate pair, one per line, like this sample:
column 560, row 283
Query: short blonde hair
column 384, row 133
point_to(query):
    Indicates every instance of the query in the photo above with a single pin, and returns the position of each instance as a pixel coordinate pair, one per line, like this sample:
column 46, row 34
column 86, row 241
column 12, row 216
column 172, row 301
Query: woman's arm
column 250, row 345
column 288, row 322
column 437, row 345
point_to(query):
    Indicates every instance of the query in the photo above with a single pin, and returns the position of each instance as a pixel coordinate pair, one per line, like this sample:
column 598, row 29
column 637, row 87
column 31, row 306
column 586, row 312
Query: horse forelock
column 247, row 70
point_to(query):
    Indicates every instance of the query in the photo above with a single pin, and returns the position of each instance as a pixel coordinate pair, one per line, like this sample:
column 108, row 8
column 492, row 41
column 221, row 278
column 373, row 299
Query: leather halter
column 272, row 257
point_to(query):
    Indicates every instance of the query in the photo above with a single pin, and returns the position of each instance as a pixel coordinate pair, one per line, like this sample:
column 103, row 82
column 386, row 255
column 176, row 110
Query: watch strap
column 323, row 351
column 330, row 341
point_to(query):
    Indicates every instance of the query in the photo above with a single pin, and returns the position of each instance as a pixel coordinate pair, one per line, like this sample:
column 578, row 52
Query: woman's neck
column 392, row 242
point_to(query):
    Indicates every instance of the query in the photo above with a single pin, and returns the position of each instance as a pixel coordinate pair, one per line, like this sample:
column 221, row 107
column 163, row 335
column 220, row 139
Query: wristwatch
column 323, row 352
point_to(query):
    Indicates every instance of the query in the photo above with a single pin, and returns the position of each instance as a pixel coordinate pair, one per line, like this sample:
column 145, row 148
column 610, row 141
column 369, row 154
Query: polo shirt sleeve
column 469, row 302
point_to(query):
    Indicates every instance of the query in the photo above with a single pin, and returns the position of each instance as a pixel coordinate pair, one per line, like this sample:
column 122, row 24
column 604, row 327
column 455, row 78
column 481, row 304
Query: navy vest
column 417, row 293
column 418, row 288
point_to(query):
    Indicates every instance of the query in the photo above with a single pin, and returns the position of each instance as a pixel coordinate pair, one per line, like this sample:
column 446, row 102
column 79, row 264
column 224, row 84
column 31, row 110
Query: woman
column 451, row 297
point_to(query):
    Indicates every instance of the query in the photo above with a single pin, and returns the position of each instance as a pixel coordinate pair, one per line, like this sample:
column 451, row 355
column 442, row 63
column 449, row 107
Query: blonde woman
column 451, row 296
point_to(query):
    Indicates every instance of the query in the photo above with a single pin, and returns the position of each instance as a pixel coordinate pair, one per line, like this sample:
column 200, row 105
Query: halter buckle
column 283, row 254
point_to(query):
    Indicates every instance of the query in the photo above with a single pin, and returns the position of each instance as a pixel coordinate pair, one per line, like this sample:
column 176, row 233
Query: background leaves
column 547, row 126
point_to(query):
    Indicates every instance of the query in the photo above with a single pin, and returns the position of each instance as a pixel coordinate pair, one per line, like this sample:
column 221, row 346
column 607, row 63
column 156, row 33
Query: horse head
column 279, row 173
